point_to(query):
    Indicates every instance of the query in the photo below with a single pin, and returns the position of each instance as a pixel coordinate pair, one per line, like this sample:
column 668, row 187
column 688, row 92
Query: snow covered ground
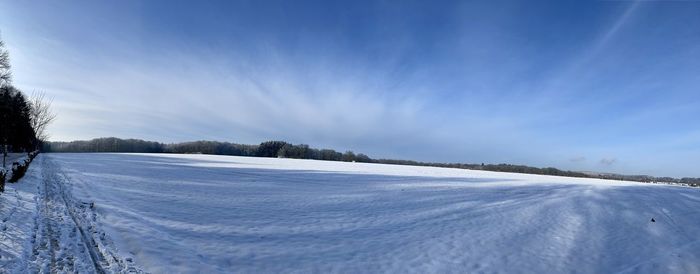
column 45, row 230
column 198, row 213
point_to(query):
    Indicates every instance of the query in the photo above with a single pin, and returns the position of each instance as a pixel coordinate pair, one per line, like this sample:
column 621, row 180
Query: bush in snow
column 33, row 155
column 18, row 170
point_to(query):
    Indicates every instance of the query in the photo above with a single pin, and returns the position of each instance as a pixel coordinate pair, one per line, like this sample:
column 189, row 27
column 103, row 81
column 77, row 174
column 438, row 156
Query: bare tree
column 41, row 114
column 5, row 74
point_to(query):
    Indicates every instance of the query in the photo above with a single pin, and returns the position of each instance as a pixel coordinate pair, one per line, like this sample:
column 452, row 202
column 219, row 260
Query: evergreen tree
column 16, row 132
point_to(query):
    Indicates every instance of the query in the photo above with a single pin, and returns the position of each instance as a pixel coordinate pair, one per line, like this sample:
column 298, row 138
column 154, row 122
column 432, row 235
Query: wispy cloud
column 578, row 159
column 608, row 161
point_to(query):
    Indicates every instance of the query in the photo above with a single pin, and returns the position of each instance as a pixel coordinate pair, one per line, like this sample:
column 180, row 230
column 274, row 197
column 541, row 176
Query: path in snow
column 64, row 237
column 17, row 207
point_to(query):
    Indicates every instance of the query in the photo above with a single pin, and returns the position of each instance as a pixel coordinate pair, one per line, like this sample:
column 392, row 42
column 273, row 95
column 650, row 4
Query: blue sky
column 610, row 86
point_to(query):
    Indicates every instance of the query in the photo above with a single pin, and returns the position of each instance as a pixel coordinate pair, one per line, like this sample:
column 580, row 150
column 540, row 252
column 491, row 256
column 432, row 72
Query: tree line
column 276, row 149
column 23, row 121
column 281, row 149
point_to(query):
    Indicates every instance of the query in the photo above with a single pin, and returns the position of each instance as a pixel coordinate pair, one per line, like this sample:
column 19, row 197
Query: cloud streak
column 608, row 161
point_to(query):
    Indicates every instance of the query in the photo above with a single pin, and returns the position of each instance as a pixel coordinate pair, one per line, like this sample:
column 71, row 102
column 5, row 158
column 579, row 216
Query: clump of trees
column 694, row 182
column 270, row 148
column 104, row 145
column 20, row 118
column 16, row 132
column 211, row 147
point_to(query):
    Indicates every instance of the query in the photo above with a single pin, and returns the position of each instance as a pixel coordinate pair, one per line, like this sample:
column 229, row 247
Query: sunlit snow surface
column 199, row 213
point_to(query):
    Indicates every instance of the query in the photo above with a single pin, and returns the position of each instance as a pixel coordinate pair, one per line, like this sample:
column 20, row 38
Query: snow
column 17, row 205
column 165, row 213
column 44, row 230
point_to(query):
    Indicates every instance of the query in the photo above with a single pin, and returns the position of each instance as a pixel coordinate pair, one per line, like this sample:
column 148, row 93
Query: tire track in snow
column 64, row 236
column 51, row 250
column 87, row 242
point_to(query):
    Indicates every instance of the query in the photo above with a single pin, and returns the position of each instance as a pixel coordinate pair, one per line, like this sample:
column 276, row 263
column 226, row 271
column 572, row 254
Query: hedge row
column 18, row 170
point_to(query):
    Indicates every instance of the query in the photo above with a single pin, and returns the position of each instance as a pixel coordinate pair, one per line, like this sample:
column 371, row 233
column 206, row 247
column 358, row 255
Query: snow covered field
column 198, row 213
